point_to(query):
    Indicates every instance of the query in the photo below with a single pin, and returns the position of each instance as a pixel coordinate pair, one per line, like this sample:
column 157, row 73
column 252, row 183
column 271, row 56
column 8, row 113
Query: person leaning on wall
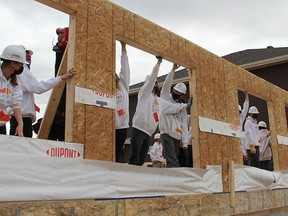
column 30, row 85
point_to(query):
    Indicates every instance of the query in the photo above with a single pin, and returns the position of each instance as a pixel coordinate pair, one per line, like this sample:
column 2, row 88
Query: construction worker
column 122, row 103
column 243, row 114
column 156, row 152
column 146, row 117
column 252, row 137
column 265, row 146
column 13, row 57
column 173, row 127
column 29, row 86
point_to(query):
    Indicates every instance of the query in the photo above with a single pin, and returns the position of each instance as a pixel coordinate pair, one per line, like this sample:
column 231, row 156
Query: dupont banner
column 14, row 144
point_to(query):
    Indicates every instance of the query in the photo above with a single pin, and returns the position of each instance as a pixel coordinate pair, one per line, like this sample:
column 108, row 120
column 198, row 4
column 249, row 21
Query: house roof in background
column 248, row 59
column 255, row 55
column 178, row 75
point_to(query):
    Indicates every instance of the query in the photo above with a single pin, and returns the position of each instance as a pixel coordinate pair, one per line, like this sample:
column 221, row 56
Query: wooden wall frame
column 96, row 25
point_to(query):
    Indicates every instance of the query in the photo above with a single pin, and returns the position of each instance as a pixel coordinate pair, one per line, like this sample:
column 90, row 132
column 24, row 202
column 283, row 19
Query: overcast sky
column 220, row 26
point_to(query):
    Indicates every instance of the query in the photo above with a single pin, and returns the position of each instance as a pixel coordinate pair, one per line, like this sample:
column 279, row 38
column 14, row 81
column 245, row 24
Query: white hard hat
column 262, row 124
column 253, row 110
column 15, row 53
column 180, row 87
column 240, row 108
column 157, row 136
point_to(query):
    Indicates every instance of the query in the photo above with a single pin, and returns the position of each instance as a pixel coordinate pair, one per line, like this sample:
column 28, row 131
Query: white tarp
column 15, row 144
column 250, row 178
column 43, row 178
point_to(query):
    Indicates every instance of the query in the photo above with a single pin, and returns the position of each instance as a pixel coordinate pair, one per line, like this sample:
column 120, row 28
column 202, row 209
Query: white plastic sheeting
column 42, row 178
column 28, row 146
column 249, row 178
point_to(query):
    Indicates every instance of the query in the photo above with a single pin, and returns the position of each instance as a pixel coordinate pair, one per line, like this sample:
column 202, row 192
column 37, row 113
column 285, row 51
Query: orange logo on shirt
column 5, row 91
column 179, row 130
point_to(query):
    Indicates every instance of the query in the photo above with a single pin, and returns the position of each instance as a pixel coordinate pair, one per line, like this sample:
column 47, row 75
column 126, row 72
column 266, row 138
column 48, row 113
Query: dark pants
column 120, row 140
column 171, row 150
column 254, row 158
column 27, row 126
column 264, row 164
column 3, row 130
column 57, row 132
column 185, row 157
column 139, row 147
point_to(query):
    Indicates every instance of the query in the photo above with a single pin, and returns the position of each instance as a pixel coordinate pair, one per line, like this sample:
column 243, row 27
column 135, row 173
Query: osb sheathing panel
column 118, row 19
column 184, row 205
column 100, row 22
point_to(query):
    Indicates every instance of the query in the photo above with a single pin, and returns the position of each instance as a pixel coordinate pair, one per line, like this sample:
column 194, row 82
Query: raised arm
column 150, row 80
column 165, row 92
column 124, row 74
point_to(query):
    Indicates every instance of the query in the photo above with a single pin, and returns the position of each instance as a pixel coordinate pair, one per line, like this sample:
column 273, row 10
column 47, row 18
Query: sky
column 220, row 26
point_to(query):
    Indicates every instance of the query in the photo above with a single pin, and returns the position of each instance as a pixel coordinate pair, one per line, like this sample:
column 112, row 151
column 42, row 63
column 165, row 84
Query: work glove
column 189, row 102
column 252, row 149
column 268, row 134
column 245, row 157
column 159, row 58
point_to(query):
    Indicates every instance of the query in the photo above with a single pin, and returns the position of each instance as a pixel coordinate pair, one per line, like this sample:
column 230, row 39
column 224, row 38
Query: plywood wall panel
column 99, row 52
column 220, row 96
column 174, row 45
column 118, row 21
column 182, row 50
column 215, row 143
column 231, row 94
column 80, row 118
column 80, row 50
column 153, row 36
column 99, row 24
column 207, row 86
column 99, row 137
column 192, row 53
column 129, row 25
column 203, row 142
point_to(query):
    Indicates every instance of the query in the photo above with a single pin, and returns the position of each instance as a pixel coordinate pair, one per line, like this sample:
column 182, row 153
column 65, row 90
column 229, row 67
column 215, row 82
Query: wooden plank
column 194, row 118
column 232, row 183
column 53, row 101
column 70, row 90
column 99, row 122
column 56, row 5
column 274, row 132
